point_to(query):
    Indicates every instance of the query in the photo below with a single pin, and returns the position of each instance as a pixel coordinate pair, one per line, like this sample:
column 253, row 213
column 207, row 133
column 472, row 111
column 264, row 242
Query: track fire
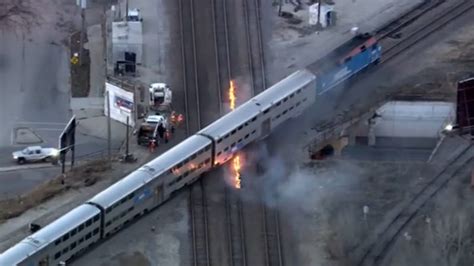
column 236, row 167
column 236, row 160
column 232, row 97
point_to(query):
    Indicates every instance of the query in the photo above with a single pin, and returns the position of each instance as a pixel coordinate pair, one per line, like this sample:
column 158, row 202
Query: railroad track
column 375, row 249
column 408, row 18
column 399, row 36
column 271, row 236
column 235, row 229
column 255, row 45
column 199, row 225
column 189, row 66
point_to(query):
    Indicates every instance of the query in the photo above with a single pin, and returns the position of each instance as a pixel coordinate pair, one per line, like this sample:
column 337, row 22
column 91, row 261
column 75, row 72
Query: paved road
column 21, row 181
column 34, row 92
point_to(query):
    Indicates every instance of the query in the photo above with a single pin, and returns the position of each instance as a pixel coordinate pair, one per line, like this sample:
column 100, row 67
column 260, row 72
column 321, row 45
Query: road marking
column 41, row 123
column 26, row 167
column 48, row 129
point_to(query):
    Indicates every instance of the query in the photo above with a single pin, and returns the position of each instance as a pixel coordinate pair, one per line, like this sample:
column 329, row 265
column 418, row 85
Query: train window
column 88, row 236
column 298, row 103
column 226, row 149
column 89, row 222
column 81, row 240
column 108, row 209
column 73, row 231
column 65, row 237
column 232, row 145
column 298, row 91
column 254, row 118
column 219, row 140
column 347, row 59
column 291, row 108
column 81, row 227
column 57, row 242
column 266, row 110
column 246, row 136
column 57, row 255
column 192, row 157
column 72, row 246
column 219, row 153
column 278, row 116
column 292, row 95
column 179, row 165
column 286, row 99
column 278, row 103
column 239, row 128
column 130, row 196
column 207, row 148
column 233, row 131
column 96, row 231
column 65, row 250
column 123, row 200
column 123, row 214
column 130, row 209
column 285, row 112
column 108, row 223
column 246, row 124
column 208, row 160
column 253, row 132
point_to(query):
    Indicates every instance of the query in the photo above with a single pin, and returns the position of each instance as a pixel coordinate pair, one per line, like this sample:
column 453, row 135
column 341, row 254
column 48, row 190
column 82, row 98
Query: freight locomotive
column 153, row 183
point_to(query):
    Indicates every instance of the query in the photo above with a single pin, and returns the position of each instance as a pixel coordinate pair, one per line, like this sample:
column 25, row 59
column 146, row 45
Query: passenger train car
column 345, row 61
column 154, row 182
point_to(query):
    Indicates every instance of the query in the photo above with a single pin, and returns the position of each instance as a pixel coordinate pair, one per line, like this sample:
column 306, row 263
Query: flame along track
column 236, row 165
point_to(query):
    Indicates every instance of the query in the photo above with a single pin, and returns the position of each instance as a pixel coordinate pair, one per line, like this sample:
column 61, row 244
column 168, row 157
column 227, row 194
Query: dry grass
column 83, row 175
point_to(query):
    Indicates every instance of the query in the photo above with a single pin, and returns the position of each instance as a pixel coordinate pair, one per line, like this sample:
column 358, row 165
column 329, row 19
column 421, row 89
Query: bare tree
column 17, row 14
column 443, row 237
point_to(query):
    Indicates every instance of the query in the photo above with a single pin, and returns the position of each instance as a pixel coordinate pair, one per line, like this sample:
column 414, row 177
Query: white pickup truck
column 36, row 153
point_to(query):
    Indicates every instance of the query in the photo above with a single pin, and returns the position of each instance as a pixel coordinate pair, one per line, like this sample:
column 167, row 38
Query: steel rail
column 235, row 229
column 453, row 12
column 199, row 225
column 272, row 238
column 377, row 247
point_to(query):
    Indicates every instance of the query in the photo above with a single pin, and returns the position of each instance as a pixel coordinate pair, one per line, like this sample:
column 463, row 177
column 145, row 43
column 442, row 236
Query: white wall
column 413, row 119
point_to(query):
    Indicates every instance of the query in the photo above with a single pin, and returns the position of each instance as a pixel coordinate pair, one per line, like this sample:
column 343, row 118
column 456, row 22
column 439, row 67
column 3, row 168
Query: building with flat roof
column 127, row 41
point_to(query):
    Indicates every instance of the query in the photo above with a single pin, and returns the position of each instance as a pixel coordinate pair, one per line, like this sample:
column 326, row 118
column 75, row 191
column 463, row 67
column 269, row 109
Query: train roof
column 48, row 234
column 231, row 120
column 150, row 170
column 342, row 52
column 283, row 88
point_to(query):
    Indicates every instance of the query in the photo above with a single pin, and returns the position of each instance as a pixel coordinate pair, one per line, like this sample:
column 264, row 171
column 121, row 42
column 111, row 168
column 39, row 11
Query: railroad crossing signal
column 75, row 59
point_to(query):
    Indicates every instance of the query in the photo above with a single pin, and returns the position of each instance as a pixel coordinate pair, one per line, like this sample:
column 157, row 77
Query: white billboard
column 121, row 104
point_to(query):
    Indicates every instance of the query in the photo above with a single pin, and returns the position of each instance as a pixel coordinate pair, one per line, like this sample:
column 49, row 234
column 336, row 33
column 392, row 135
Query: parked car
column 35, row 154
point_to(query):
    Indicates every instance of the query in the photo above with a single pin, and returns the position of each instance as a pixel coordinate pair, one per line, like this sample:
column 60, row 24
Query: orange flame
column 232, row 97
column 236, row 167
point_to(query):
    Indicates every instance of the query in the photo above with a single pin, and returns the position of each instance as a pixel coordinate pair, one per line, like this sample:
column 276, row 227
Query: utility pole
column 318, row 24
column 104, row 38
column 126, row 142
column 126, row 10
column 82, row 4
column 109, row 137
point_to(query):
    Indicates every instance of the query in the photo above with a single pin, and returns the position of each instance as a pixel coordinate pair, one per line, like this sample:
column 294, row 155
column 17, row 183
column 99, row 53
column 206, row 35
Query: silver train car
column 156, row 181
